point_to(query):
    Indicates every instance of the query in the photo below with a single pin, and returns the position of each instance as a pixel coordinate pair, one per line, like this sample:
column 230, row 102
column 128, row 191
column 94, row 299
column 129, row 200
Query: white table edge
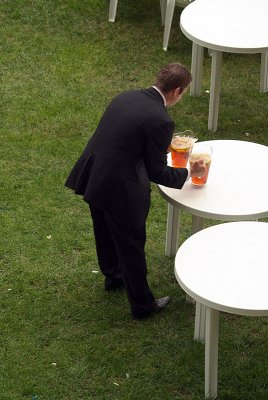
column 223, row 49
column 220, row 307
column 210, row 215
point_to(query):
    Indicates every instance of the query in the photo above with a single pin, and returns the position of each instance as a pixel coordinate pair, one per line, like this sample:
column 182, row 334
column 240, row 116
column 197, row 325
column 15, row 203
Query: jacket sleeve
column 156, row 158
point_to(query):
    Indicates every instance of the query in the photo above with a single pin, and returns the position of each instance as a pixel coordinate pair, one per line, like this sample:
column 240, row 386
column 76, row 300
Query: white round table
column 237, row 189
column 233, row 26
column 224, row 267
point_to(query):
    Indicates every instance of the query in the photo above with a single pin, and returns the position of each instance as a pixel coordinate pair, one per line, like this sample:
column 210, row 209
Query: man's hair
column 172, row 76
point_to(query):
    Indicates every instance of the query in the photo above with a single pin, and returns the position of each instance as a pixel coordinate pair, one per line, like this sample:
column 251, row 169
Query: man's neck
column 161, row 94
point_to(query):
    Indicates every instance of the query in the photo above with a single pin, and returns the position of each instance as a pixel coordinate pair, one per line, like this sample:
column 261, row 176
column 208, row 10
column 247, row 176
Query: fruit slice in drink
column 207, row 160
column 181, row 147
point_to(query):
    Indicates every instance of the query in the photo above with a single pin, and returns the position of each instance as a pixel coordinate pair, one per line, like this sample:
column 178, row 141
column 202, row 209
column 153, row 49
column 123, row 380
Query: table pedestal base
column 215, row 87
column 172, row 233
column 173, row 224
column 172, row 244
column 196, row 84
column 196, row 69
column 200, row 322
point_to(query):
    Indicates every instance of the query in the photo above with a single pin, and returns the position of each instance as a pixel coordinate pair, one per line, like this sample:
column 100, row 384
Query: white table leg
column 214, row 90
column 112, row 10
column 264, row 72
column 200, row 321
column 197, row 225
column 211, row 352
column 163, row 4
column 169, row 11
column 172, row 230
column 196, row 69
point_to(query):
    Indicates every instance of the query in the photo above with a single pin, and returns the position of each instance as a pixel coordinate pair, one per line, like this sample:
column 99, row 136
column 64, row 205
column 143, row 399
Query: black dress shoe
column 160, row 304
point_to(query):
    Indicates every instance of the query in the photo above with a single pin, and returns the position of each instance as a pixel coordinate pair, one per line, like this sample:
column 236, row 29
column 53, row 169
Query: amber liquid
column 181, row 147
column 207, row 160
column 180, row 157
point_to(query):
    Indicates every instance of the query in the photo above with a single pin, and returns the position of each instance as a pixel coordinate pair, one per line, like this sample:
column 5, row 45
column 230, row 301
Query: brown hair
column 172, row 76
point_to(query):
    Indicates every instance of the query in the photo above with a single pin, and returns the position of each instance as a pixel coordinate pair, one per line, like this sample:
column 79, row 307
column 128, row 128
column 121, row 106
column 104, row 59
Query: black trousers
column 120, row 252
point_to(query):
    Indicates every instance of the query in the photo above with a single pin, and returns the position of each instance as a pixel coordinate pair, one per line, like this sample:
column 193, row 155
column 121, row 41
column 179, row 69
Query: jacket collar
column 155, row 94
column 162, row 95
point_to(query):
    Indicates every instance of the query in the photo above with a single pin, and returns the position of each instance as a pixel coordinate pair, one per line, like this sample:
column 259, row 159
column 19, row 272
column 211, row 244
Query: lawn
column 62, row 336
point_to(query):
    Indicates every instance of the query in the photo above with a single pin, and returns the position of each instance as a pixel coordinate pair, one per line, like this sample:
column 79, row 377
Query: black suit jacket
column 126, row 152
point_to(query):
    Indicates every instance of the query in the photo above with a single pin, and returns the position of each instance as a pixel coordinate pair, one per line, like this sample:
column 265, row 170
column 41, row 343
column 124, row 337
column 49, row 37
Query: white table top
column 236, row 26
column 225, row 267
column 237, row 187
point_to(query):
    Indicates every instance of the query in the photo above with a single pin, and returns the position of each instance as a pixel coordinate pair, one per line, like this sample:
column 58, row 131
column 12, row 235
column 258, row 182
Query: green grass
column 62, row 337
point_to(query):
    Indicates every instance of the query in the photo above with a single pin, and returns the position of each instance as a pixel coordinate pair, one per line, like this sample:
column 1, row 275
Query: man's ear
column 177, row 91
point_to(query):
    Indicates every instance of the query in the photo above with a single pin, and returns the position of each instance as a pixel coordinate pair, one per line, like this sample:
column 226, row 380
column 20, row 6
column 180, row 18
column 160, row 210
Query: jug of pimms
column 181, row 147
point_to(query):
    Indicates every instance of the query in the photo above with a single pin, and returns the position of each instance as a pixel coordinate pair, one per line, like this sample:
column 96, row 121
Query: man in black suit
column 128, row 151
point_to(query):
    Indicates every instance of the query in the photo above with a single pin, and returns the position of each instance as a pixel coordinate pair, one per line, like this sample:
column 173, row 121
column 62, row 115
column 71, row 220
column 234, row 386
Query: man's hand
column 198, row 168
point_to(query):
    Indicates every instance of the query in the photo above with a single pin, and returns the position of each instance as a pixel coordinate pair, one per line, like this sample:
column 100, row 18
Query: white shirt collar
column 161, row 94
